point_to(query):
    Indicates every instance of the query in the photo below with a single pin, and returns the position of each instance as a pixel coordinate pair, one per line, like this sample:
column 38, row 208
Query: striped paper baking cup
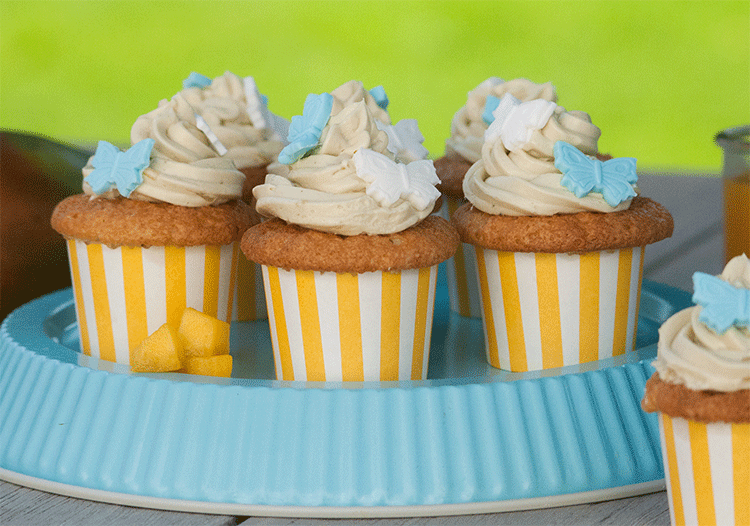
column 543, row 311
column 328, row 326
column 124, row 294
column 461, row 270
column 249, row 297
column 707, row 470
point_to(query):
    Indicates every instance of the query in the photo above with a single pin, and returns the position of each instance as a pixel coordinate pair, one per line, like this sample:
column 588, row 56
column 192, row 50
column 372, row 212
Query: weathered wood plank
column 21, row 506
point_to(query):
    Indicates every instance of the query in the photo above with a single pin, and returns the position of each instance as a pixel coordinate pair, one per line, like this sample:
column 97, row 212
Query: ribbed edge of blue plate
column 279, row 445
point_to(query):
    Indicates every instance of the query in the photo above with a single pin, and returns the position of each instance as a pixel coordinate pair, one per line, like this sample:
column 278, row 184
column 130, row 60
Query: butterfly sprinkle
column 388, row 181
column 203, row 126
column 490, row 105
column 724, row 305
column 257, row 104
column 123, row 170
column 305, row 129
column 515, row 121
column 404, row 140
column 378, row 93
column 196, row 80
column 582, row 174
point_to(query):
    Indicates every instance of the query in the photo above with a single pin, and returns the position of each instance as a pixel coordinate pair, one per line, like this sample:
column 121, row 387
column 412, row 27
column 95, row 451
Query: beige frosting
column 185, row 168
column 525, row 182
column 691, row 354
column 323, row 191
column 468, row 127
column 223, row 105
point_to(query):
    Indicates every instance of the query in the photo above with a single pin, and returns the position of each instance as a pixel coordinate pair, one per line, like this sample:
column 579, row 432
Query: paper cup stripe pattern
column 249, row 298
column 124, row 294
column 550, row 310
column 707, row 468
column 327, row 326
column 461, row 271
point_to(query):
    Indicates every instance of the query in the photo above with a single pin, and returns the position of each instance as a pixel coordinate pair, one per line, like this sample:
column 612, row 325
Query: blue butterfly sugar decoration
column 196, row 80
column 121, row 169
column 583, row 175
column 378, row 93
column 490, row 106
column 724, row 305
column 305, row 129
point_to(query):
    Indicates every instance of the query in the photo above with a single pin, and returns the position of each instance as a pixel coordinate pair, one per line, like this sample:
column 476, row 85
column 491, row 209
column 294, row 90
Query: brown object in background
column 35, row 174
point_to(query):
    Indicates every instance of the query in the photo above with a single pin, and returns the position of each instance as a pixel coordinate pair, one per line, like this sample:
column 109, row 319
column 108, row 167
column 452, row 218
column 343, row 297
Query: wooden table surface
column 695, row 202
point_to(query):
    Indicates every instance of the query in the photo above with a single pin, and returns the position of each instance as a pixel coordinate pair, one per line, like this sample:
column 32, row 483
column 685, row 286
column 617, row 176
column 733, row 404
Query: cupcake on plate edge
column 156, row 230
column 701, row 392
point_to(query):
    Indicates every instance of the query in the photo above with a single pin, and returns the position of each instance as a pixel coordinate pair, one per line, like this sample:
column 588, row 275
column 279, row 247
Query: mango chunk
column 157, row 353
column 220, row 365
column 203, row 335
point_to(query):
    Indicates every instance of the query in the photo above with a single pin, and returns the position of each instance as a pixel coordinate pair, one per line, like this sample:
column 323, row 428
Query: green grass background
column 660, row 78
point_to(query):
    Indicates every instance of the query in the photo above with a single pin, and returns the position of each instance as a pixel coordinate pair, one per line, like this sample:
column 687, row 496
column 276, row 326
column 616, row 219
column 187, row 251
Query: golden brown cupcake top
column 678, row 401
column 129, row 222
column 289, row 246
column 643, row 223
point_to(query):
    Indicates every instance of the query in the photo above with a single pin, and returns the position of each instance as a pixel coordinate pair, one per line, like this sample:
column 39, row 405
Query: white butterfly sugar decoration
column 257, row 108
column 389, row 181
column 404, row 140
column 515, row 121
column 260, row 116
column 203, row 126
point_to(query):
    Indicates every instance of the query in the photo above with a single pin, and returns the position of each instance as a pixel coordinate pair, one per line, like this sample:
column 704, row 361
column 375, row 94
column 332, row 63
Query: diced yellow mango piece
column 203, row 335
column 220, row 365
column 158, row 353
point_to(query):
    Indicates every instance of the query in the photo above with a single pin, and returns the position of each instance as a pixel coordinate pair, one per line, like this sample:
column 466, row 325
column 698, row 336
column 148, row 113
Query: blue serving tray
column 469, row 439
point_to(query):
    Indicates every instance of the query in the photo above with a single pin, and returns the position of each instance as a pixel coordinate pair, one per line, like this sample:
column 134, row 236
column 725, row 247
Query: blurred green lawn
column 660, row 78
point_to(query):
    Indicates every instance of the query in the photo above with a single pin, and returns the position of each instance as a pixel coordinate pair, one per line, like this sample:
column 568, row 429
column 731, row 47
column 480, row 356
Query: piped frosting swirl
column 693, row 355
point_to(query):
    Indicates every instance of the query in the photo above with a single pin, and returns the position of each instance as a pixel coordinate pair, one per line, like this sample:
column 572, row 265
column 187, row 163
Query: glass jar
column 735, row 142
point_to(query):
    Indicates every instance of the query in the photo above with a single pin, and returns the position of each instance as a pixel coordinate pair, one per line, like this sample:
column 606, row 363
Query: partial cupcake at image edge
column 351, row 248
column 462, row 149
column 559, row 237
column 156, row 231
column 701, row 392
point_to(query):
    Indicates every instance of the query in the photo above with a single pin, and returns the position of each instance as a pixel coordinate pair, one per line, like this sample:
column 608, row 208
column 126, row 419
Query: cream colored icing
column 322, row 191
column 223, row 105
column 185, row 169
column 468, row 127
column 526, row 182
column 691, row 354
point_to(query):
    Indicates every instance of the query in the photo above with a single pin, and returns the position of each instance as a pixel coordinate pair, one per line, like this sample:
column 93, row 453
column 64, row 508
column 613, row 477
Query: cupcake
column 462, row 149
column 350, row 250
column 559, row 237
column 156, row 230
column 701, row 391
column 251, row 136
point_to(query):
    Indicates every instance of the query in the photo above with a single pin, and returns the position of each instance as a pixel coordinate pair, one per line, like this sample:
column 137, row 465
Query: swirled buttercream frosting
column 323, row 190
column 691, row 354
column 184, row 169
column 468, row 126
column 234, row 112
column 525, row 181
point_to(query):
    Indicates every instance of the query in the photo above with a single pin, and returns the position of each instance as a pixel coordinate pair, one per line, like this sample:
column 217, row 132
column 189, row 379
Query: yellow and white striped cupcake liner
column 461, row 270
column 124, row 294
column 707, row 470
column 543, row 311
column 249, row 297
column 328, row 326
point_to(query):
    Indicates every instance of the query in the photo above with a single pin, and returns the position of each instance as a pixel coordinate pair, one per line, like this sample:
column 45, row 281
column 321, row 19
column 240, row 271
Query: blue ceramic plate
column 469, row 439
